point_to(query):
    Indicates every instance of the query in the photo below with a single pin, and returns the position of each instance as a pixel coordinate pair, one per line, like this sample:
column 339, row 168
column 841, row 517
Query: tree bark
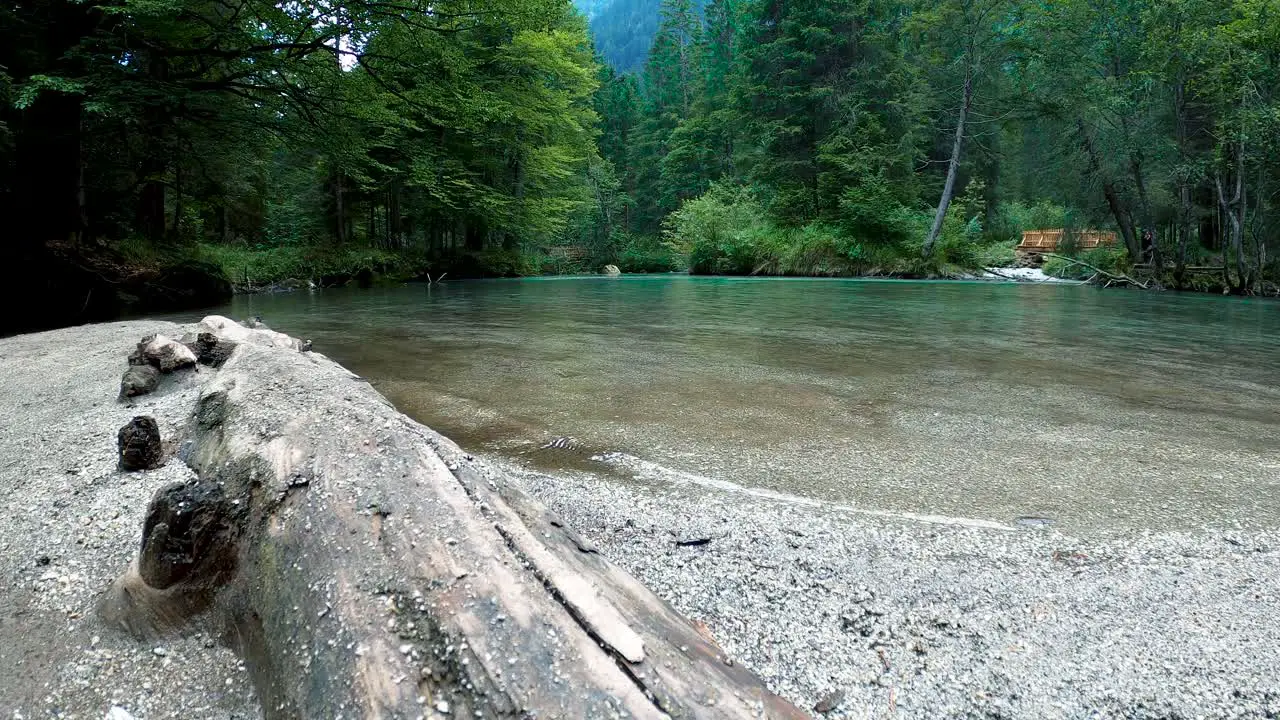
column 366, row 566
column 339, row 209
column 949, row 188
column 1119, row 209
column 1235, row 246
column 395, row 233
column 1184, row 186
column 177, row 202
column 1145, row 219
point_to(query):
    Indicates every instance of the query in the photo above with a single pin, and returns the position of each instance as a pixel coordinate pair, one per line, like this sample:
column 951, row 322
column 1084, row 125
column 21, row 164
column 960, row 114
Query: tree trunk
column 339, row 209
column 1119, row 209
column 151, row 214
column 1184, row 185
column 395, row 233
column 228, row 235
column 177, row 203
column 373, row 569
column 1260, row 239
column 157, row 121
column 1242, row 194
column 949, row 188
column 1145, row 219
column 1235, row 248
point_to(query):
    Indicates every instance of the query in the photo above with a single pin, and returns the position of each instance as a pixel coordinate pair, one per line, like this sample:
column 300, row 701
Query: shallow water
column 997, row 401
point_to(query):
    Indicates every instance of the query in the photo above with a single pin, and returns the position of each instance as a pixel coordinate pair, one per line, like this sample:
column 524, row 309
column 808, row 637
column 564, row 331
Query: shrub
column 1011, row 219
column 642, row 254
column 250, row 268
column 718, row 232
column 1110, row 259
column 872, row 212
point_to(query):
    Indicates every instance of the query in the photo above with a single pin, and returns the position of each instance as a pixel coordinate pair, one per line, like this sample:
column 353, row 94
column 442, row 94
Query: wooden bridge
column 1043, row 241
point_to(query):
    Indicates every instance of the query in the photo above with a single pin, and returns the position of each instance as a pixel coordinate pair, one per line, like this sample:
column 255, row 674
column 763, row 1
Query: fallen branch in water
column 1112, row 278
column 993, row 271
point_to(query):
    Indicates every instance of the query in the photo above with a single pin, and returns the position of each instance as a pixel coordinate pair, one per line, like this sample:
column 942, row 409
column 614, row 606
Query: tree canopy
column 842, row 136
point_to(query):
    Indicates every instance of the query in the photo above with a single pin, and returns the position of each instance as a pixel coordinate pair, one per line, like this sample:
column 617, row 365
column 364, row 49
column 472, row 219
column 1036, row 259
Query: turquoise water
column 988, row 400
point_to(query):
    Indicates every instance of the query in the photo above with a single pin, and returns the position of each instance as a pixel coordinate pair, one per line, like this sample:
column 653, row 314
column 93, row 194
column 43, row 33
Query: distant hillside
column 623, row 29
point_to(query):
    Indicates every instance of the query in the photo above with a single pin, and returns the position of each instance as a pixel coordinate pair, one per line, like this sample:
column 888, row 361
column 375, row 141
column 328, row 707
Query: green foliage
column 810, row 137
column 1112, row 260
column 1011, row 219
column 442, row 128
column 646, row 254
column 728, row 231
column 719, row 231
column 36, row 84
column 265, row 267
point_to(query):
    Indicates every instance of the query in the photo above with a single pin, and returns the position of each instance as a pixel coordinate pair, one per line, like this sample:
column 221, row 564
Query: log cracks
column 365, row 566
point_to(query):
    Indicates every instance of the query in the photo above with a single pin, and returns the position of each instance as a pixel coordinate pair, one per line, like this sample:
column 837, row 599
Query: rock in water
column 162, row 353
column 139, row 380
column 561, row 443
column 612, row 270
column 139, row 443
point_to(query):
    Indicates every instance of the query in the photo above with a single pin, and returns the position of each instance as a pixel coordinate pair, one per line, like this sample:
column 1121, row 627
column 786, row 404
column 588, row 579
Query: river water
column 1090, row 409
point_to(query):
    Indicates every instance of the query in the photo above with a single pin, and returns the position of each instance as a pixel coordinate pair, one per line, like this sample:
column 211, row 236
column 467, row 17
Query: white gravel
column 69, row 523
column 906, row 617
column 920, row 619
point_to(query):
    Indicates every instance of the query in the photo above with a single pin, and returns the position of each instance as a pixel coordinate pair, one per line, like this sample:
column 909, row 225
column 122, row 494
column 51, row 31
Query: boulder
column 139, row 380
column 139, row 444
column 162, row 353
column 209, row 349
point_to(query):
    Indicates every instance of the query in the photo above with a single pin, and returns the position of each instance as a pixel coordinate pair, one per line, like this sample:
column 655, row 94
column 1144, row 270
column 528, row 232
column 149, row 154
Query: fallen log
column 1112, row 278
column 365, row 566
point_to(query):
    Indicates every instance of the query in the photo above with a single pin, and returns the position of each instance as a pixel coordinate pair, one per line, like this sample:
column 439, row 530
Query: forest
column 160, row 153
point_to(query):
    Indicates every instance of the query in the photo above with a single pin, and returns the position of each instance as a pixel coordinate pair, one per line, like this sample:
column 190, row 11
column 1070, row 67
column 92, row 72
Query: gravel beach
column 70, row 521
column 885, row 617
column 849, row 612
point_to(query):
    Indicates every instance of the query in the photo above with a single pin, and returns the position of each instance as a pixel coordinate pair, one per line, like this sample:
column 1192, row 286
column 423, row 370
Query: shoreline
column 915, row 619
column 870, row 613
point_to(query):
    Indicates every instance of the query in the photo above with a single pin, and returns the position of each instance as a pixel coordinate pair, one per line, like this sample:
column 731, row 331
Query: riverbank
column 898, row 617
column 358, row 562
column 70, row 522
column 866, row 614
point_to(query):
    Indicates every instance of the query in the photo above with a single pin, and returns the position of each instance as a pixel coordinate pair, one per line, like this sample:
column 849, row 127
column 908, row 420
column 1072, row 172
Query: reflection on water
column 986, row 400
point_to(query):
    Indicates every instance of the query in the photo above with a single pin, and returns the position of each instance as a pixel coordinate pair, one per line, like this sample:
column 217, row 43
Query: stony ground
column 70, row 522
column 885, row 617
column 862, row 616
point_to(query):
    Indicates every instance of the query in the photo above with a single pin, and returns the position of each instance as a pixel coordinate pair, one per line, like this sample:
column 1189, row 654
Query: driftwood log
column 1112, row 278
column 366, row 567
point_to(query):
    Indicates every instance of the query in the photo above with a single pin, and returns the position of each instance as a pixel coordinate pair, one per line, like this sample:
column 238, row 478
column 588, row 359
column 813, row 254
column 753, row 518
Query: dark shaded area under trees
column 149, row 149
column 155, row 154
